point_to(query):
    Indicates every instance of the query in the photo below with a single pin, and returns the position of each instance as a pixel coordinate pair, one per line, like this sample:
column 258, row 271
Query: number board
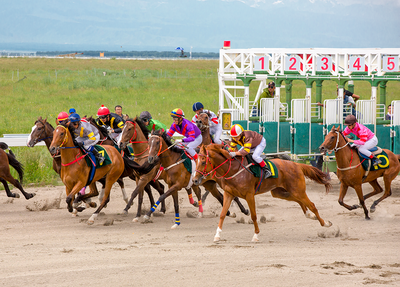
column 261, row 63
column 324, row 64
column 357, row 64
column 292, row 63
column 390, row 64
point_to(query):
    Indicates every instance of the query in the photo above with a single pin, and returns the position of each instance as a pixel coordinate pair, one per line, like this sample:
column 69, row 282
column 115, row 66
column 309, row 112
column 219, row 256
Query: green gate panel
column 271, row 136
column 317, row 136
column 371, row 127
column 284, row 136
column 396, row 140
column 242, row 123
column 254, row 127
column 383, row 135
column 329, row 127
column 300, row 139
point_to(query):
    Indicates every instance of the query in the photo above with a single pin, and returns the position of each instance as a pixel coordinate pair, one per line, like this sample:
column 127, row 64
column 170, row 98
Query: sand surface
column 43, row 245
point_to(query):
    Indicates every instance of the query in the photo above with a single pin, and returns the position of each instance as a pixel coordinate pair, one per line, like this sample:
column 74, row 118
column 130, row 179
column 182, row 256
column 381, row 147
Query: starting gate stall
column 301, row 129
column 395, row 127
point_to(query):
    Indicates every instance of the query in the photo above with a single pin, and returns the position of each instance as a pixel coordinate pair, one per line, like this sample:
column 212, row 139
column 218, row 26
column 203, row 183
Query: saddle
column 366, row 162
column 93, row 163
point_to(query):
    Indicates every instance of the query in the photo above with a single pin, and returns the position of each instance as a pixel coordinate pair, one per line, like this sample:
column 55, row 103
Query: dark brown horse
column 7, row 159
column 202, row 123
column 74, row 170
column 350, row 172
column 236, row 181
column 174, row 174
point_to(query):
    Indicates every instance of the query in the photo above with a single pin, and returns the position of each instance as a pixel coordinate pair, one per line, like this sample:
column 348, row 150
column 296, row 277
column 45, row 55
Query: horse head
column 155, row 145
column 60, row 139
column 202, row 121
column 332, row 141
column 40, row 131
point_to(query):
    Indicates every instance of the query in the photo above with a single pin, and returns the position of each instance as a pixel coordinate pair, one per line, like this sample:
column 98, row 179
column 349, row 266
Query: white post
column 246, row 104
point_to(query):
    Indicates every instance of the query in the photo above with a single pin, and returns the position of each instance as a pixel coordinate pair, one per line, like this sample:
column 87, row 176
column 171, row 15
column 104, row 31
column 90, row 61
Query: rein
column 336, row 148
column 215, row 169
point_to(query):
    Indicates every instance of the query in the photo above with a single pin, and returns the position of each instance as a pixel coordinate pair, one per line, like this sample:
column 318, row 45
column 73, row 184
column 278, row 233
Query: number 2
column 291, row 67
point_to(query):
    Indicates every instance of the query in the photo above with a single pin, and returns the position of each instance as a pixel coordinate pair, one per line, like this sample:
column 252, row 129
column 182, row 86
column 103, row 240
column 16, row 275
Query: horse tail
column 316, row 175
column 3, row 146
column 12, row 160
column 139, row 169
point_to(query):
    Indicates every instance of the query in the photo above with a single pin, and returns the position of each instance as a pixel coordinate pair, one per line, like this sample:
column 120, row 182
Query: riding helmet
column 145, row 115
column 350, row 119
column 72, row 110
column 103, row 111
column 197, row 106
column 73, row 118
column 177, row 113
column 62, row 116
column 236, row 130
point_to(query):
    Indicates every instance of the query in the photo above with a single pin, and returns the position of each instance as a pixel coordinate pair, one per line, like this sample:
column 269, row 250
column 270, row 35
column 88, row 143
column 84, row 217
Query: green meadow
column 33, row 87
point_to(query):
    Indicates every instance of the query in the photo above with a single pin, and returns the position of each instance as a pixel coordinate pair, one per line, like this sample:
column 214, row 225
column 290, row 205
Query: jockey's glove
column 232, row 154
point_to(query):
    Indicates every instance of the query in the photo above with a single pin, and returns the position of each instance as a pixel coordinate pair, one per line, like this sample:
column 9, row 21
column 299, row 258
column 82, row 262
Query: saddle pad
column 187, row 163
column 131, row 153
column 92, row 159
column 256, row 168
column 383, row 157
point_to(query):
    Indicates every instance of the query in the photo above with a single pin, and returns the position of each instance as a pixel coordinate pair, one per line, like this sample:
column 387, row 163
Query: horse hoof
column 372, row 209
column 146, row 219
column 247, row 212
column 74, row 215
column 174, row 226
column 90, row 222
column 30, row 195
column 255, row 238
column 233, row 215
column 217, row 239
column 16, row 195
column 136, row 219
column 80, row 208
column 125, row 212
column 328, row 224
column 200, row 215
column 195, row 204
column 93, row 204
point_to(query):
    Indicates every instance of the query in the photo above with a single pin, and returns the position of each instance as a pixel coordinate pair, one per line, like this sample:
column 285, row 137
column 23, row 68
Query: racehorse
column 202, row 123
column 350, row 172
column 237, row 181
column 174, row 174
column 7, row 159
column 106, row 140
column 74, row 171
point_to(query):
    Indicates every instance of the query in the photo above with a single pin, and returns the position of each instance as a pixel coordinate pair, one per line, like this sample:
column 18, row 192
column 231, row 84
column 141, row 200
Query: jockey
column 113, row 122
column 62, row 118
column 251, row 142
column 150, row 123
column 71, row 111
column 186, row 128
column 85, row 135
column 215, row 126
column 367, row 139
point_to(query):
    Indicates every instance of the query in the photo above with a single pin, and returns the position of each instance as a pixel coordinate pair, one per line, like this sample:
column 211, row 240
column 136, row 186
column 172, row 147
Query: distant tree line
column 133, row 54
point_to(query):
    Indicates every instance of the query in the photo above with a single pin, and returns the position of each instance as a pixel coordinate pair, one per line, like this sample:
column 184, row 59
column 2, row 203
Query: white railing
column 17, row 140
column 333, row 111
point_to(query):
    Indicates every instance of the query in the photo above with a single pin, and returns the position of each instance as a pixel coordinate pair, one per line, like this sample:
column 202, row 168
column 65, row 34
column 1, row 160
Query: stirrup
column 267, row 173
column 376, row 161
column 101, row 159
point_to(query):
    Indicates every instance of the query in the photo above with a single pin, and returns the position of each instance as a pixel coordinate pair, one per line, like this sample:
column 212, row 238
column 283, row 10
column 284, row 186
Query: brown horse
column 350, row 172
column 106, row 140
column 202, row 123
column 174, row 174
column 236, row 181
column 7, row 159
column 74, row 171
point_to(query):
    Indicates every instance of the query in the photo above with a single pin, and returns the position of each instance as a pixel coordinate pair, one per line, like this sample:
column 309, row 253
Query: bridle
column 132, row 140
column 43, row 131
column 205, row 174
column 159, row 139
column 336, row 148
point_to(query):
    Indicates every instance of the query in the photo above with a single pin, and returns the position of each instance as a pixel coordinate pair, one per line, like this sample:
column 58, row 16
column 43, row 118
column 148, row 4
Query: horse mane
column 101, row 129
column 145, row 131
column 352, row 147
column 219, row 149
column 44, row 122
column 167, row 140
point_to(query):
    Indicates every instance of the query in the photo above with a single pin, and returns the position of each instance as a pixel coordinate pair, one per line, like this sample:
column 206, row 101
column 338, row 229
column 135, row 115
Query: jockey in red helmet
column 251, row 142
column 62, row 118
column 192, row 134
column 113, row 122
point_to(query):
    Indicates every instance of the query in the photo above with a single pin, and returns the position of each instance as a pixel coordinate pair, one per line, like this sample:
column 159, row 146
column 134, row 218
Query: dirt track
column 41, row 244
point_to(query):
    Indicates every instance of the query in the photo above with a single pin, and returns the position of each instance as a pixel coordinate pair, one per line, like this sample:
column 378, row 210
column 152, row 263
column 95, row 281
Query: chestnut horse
column 105, row 139
column 74, row 170
column 174, row 174
column 350, row 172
column 202, row 123
column 7, row 159
column 236, row 181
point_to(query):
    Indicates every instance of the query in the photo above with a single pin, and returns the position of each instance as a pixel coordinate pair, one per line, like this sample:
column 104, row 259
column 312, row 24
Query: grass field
column 33, row 87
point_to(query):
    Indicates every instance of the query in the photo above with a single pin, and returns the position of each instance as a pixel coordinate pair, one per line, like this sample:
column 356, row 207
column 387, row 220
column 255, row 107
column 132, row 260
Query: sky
column 198, row 25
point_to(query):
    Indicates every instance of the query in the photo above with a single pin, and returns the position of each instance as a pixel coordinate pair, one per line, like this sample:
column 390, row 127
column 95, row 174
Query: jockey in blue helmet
column 215, row 125
column 85, row 135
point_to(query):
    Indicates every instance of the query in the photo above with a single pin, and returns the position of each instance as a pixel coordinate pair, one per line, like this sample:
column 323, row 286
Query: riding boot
column 267, row 171
column 376, row 161
column 97, row 155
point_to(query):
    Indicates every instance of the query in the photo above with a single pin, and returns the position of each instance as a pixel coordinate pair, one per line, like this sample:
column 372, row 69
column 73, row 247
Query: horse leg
column 170, row 191
column 388, row 192
column 252, row 206
column 160, row 188
column 204, row 197
column 197, row 191
column 87, row 197
column 122, row 185
column 190, row 195
column 227, row 203
column 360, row 196
column 8, row 191
column 176, row 206
column 211, row 186
column 8, row 177
column 241, row 207
column 101, row 194
column 377, row 189
column 342, row 194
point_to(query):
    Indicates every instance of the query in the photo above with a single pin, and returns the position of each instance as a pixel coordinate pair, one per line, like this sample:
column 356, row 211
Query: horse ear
column 45, row 120
column 333, row 128
column 338, row 128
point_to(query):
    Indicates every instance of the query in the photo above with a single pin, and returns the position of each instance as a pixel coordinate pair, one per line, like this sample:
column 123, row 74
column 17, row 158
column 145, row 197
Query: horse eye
column 332, row 138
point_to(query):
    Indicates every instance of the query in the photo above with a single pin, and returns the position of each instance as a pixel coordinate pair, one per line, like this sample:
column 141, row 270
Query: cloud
column 277, row 2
